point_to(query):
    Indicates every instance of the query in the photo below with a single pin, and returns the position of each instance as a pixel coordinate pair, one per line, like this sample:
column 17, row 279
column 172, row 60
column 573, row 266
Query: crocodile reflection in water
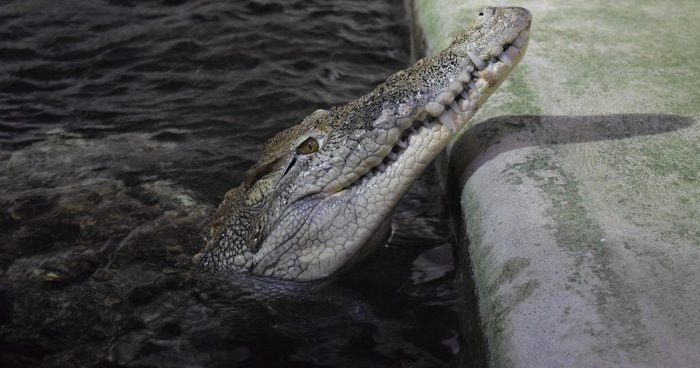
column 323, row 191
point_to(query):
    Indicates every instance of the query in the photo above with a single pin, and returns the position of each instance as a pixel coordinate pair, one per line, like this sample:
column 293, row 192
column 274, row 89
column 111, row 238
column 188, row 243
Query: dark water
column 122, row 123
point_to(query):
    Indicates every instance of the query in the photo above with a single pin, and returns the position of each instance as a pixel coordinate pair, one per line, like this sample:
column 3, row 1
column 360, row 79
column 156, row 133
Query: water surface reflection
column 122, row 123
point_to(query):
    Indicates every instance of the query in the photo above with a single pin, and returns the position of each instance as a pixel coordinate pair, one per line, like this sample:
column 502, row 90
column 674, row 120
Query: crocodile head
column 323, row 191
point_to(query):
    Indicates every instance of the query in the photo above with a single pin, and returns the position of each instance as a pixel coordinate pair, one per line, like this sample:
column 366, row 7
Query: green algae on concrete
column 580, row 235
column 490, row 307
column 494, row 307
column 662, row 170
column 580, row 186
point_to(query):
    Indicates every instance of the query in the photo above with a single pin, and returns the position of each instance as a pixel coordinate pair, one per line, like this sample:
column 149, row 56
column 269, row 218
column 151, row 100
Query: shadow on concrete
column 486, row 140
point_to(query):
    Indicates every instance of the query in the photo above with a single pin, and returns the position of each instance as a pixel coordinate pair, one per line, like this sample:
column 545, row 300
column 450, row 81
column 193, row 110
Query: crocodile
column 323, row 192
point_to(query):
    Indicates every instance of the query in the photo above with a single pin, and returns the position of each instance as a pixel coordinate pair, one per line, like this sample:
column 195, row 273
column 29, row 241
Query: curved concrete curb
column 579, row 185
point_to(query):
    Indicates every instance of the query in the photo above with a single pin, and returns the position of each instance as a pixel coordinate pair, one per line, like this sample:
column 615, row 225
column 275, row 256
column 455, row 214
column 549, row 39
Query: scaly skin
column 323, row 191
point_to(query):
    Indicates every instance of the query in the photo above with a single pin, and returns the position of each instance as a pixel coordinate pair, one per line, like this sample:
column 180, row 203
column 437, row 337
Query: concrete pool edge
column 579, row 207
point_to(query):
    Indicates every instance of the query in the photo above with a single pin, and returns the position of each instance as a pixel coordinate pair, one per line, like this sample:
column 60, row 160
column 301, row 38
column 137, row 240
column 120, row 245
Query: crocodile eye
column 308, row 147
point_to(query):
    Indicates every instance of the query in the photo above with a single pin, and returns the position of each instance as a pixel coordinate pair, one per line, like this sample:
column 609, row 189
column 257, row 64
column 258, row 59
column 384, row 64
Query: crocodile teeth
column 522, row 39
column 506, row 59
column 486, row 72
column 466, row 105
column 513, row 51
column 464, row 77
column 452, row 106
column 446, row 98
column 455, row 87
column 434, row 108
column 447, row 119
column 480, row 64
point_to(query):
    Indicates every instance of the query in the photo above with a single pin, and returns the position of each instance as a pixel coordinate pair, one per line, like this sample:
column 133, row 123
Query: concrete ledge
column 578, row 183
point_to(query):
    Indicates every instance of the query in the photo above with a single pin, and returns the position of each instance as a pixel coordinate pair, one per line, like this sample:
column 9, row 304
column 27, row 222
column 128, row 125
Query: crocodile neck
column 323, row 189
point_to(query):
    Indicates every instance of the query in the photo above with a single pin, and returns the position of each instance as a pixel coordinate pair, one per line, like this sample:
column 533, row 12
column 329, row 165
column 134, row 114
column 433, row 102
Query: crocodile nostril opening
column 481, row 14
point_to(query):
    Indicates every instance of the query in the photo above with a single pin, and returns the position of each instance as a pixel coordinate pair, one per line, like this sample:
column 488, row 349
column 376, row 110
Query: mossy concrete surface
column 579, row 183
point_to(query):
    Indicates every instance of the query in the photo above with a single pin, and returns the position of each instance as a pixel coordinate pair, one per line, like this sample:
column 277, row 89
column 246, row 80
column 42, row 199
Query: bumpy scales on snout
column 323, row 191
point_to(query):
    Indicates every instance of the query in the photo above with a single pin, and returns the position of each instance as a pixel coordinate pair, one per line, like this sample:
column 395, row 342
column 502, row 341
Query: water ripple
column 122, row 123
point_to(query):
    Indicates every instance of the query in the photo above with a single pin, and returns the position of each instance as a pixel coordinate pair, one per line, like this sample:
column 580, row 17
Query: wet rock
column 111, row 301
column 5, row 306
column 29, row 206
column 38, row 236
column 171, row 270
column 50, row 277
column 103, row 274
column 125, row 349
column 142, row 195
column 79, row 201
column 23, row 354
